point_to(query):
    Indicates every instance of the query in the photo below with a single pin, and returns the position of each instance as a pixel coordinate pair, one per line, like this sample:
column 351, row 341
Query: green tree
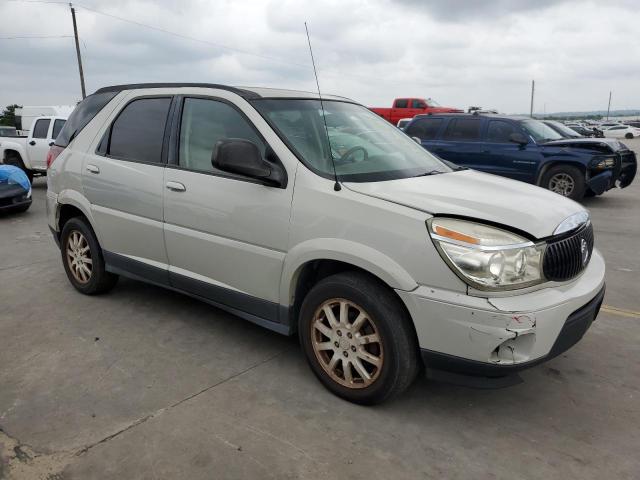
column 8, row 116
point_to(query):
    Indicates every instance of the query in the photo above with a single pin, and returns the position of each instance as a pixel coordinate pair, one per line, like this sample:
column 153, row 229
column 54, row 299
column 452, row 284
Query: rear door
column 123, row 180
column 461, row 142
column 399, row 110
column 426, row 129
column 38, row 144
column 504, row 157
column 226, row 234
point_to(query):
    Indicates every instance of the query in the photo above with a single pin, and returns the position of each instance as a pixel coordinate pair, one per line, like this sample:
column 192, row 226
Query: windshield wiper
column 426, row 174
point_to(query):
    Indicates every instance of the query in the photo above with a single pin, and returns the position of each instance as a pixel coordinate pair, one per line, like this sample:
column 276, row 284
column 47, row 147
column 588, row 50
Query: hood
column 602, row 145
column 477, row 195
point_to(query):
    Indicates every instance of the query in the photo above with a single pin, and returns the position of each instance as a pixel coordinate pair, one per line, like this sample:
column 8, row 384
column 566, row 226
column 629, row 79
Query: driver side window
column 204, row 123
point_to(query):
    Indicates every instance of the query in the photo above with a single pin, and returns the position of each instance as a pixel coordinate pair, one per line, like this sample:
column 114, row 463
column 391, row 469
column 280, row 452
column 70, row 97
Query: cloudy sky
column 459, row 52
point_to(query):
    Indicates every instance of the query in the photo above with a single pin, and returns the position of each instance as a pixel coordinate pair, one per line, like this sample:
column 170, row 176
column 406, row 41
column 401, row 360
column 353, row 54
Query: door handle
column 93, row 169
column 176, row 186
column 32, row 143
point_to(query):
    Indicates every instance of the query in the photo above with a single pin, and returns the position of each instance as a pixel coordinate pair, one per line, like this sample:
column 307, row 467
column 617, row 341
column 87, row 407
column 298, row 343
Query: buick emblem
column 584, row 251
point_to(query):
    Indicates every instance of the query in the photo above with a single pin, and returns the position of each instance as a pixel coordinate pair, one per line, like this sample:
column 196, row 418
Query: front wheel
column 629, row 135
column 358, row 338
column 82, row 258
column 565, row 180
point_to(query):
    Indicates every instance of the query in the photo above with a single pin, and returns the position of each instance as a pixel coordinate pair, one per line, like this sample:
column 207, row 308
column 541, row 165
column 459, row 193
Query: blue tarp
column 14, row 176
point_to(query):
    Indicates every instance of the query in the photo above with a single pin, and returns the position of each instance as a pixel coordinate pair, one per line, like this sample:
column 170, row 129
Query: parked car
column 527, row 150
column 634, row 124
column 563, row 130
column 381, row 257
column 15, row 190
column 588, row 131
column 403, row 122
column 622, row 131
column 410, row 107
column 30, row 153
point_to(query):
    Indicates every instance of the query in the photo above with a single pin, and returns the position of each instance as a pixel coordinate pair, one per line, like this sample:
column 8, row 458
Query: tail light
column 54, row 151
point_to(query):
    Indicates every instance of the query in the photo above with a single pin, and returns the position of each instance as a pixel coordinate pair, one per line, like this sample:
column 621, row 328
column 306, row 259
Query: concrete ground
column 143, row 383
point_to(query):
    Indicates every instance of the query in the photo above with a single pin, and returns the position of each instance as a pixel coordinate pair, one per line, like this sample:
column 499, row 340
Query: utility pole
column 533, row 88
column 609, row 106
column 75, row 33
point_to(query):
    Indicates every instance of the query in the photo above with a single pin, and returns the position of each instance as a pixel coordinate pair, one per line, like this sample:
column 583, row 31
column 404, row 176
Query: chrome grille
column 564, row 258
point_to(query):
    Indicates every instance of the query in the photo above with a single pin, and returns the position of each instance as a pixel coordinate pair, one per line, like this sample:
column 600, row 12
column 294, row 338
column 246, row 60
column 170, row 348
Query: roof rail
column 246, row 94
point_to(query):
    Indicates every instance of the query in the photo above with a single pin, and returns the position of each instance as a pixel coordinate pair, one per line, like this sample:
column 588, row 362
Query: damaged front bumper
column 485, row 341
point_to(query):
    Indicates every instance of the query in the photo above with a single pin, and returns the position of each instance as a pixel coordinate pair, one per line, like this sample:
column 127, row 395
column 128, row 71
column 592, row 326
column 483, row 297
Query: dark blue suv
column 528, row 150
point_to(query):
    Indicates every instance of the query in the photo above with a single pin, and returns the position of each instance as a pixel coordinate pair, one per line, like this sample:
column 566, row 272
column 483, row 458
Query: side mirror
column 236, row 155
column 517, row 137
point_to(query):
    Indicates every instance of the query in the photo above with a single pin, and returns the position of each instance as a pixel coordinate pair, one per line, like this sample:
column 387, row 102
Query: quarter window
column 499, row 131
column 138, row 132
column 425, row 128
column 41, row 128
column 463, row 129
column 205, row 123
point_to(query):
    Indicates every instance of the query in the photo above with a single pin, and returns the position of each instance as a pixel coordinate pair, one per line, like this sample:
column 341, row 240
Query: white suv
column 323, row 219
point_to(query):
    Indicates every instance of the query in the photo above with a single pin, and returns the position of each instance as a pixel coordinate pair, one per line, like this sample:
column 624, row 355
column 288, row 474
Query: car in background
column 30, row 153
column 633, row 123
column 410, row 107
column 622, row 131
column 562, row 129
column 587, row 131
column 528, row 150
column 403, row 122
column 15, row 190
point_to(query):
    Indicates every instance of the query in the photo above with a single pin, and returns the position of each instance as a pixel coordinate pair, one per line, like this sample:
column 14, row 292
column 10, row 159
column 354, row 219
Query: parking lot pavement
column 145, row 383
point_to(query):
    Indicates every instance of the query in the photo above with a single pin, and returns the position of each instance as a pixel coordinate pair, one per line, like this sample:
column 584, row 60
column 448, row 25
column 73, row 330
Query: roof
column 248, row 93
column 488, row 115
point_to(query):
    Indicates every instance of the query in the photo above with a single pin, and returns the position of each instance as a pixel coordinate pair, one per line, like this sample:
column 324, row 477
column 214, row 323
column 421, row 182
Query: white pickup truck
column 30, row 153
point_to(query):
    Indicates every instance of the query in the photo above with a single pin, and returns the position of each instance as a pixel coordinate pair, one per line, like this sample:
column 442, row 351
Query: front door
column 503, row 157
column 226, row 235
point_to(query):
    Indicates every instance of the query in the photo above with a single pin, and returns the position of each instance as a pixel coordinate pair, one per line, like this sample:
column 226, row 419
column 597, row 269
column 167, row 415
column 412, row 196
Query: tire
column 76, row 235
column 628, row 135
column 16, row 161
column 565, row 180
column 395, row 351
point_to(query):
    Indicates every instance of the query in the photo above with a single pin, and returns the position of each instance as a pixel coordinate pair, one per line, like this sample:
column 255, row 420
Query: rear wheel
column 629, row 135
column 82, row 258
column 565, row 180
column 358, row 338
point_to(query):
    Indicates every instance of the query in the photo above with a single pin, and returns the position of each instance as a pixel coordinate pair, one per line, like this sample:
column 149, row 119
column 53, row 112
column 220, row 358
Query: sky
column 460, row 53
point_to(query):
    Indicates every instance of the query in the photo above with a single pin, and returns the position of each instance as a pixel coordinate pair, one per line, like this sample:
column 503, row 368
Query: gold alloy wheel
column 79, row 257
column 347, row 344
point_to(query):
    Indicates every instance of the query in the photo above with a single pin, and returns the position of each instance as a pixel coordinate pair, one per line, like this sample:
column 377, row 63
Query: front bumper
column 13, row 197
column 498, row 336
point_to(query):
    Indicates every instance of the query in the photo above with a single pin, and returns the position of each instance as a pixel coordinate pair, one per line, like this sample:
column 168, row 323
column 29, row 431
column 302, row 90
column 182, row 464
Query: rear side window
column 403, row 103
column 425, row 128
column 57, row 127
column 499, row 131
column 40, row 128
column 137, row 134
column 81, row 115
column 463, row 129
column 206, row 122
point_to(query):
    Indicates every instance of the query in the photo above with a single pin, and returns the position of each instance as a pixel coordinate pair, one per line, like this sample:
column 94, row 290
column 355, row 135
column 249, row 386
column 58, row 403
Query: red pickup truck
column 410, row 107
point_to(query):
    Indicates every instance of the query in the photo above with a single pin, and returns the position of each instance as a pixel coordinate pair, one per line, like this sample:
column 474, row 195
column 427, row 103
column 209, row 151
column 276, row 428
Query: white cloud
column 458, row 52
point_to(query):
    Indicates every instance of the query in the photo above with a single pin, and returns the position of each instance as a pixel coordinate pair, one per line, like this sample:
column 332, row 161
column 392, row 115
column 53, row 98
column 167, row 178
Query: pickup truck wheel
column 16, row 161
column 565, row 180
column 82, row 258
column 358, row 338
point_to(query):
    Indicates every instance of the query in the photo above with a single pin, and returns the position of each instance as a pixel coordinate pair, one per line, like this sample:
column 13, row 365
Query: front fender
column 16, row 147
column 346, row 251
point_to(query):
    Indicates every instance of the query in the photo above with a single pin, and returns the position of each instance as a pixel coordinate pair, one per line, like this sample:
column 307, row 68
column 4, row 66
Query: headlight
column 601, row 162
column 485, row 257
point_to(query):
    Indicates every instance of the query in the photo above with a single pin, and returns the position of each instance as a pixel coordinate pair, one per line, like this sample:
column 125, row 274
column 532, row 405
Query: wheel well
column 314, row 271
column 12, row 153
column 547, row 166
column 67, row 212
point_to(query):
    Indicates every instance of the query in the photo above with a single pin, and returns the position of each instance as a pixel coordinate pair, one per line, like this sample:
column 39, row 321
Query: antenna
column 336, row 185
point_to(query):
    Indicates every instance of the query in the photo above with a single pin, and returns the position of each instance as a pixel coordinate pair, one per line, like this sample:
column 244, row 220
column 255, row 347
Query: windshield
column 540, row 132
column 563, row 130
column 432, row 103
column 362, row 146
